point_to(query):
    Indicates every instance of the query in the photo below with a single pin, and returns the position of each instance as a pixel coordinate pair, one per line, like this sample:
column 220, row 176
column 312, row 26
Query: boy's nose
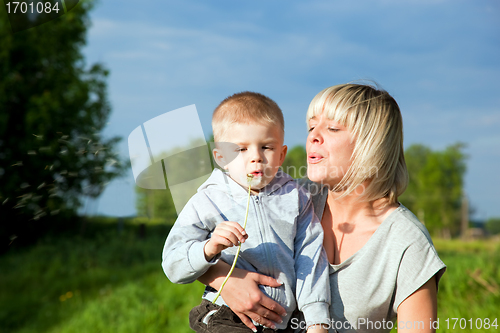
column 256, row 157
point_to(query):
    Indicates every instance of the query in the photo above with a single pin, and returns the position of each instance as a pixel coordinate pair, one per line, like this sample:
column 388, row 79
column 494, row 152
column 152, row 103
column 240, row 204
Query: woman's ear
column 219, row 158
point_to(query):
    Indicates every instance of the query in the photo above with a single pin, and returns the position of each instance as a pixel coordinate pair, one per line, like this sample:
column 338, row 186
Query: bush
column 493, row 225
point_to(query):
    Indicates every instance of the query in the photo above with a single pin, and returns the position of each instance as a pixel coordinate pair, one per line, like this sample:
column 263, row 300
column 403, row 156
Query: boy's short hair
column 373, row 116
column 244, row 108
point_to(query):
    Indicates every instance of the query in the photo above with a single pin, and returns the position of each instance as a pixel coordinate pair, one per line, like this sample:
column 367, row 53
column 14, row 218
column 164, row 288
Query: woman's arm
column 419, row 310
column 242, row 294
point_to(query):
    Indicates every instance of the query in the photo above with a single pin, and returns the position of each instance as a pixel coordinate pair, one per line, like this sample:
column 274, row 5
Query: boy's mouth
column 257, row 173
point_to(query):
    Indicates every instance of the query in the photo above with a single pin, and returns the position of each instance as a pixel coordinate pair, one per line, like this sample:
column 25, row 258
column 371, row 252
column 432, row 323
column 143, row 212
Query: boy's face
column 255, row 149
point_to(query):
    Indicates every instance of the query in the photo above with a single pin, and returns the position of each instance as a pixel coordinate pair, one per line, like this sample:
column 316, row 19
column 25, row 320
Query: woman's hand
column 420, row 307
column 242, row 294
column 317, row 329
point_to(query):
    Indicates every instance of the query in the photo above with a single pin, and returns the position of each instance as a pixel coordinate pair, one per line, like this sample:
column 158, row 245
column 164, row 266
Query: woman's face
column 329, row 150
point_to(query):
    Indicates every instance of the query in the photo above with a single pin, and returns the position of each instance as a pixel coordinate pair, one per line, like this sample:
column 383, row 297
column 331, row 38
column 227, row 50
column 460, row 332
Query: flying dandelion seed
column 31, row 152
column 20, row 163
column 111, row 162
column 54, row 212
column 5, row 201
column 12, row 239
column 37, row 217
column 41, row 185
column 25, row 185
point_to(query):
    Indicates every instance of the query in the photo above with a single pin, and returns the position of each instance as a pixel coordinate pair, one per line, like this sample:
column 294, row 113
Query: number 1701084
column 479, row 323
column 38, row 7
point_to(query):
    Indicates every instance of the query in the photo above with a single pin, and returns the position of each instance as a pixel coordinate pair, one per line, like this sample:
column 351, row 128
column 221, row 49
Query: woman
column 382, row 262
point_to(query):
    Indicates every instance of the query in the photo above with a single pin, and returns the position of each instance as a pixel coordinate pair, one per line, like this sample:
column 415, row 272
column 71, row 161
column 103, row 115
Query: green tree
column 436, row 186
column 182, row 164
column 53, row 109
column 493, row 225
column 295, row 163
column 155, row 204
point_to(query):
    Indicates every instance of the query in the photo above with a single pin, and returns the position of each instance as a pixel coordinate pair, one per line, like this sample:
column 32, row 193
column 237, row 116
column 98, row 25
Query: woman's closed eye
column 331, row 129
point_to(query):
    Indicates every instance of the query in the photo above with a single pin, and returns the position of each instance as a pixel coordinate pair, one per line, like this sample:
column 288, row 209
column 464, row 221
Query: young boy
column 283, row 237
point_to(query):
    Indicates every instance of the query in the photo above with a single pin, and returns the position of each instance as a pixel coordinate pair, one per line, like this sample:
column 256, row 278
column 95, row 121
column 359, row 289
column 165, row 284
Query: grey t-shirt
column 368, row 287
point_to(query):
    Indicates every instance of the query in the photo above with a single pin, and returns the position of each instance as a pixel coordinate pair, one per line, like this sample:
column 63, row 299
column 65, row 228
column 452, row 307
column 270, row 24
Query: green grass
column 108, row 281
column 103, row 282
column 470, row 287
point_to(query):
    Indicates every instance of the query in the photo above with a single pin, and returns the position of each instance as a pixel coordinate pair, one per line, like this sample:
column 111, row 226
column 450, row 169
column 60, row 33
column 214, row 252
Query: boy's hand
column 225, row 235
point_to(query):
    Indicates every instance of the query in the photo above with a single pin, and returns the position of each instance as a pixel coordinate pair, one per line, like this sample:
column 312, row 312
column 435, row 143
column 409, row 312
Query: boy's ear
column 219, row 158
column 284, row 149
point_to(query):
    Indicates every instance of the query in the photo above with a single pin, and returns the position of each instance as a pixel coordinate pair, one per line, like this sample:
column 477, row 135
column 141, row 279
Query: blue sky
column 438, row 58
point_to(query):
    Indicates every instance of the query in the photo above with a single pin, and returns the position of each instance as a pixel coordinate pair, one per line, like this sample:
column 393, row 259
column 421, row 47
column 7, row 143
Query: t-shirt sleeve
column 419, row 263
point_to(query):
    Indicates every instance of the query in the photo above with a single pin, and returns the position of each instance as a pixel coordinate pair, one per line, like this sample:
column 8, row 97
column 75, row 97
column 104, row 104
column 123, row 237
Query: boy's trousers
column 212, row 318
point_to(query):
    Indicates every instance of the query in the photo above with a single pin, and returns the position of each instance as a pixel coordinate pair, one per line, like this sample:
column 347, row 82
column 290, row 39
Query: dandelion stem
column 249, row 178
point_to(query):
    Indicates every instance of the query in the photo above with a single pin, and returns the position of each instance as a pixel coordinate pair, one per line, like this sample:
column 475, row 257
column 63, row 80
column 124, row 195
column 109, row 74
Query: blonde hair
column 374, row 119
column 244, row 108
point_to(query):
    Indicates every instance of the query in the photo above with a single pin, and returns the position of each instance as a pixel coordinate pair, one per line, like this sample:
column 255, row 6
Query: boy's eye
column 310, row 129
column 241, row 149
column 333, row 129
column 267, row 147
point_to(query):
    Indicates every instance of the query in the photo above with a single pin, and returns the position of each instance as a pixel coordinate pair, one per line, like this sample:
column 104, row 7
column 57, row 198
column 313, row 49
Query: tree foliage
column 53, row 109
column 493, row 225
column 435, row 190
column 155, row 204
column 295, row 163
column 182, row 165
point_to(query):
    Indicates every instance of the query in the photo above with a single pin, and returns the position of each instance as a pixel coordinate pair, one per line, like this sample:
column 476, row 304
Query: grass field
column 111, row 281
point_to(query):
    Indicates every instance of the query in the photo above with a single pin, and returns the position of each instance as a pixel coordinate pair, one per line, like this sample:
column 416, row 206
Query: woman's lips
column 314, row 158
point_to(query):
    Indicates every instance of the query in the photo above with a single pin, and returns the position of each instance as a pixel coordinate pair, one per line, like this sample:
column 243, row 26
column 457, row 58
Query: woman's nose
column 315, row 136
